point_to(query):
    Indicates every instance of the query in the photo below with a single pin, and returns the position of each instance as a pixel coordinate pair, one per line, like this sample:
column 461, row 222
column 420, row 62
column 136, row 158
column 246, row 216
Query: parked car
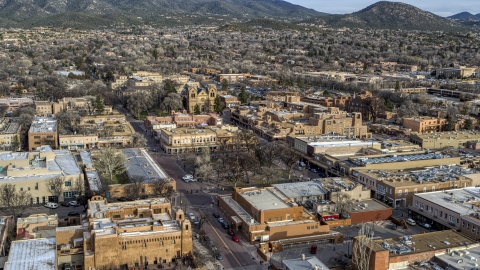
column 411, row 222
column 230, row 232
column 206, row 238
column 216, row 215
column 235, row 238
column 191, row 216
column 66, row 204
column 220, row 220
column 189, row 178
column 219, row 257
column 225, row 225
column 51, row 205
column 313, row 249
column 73, row 214
column 122, row 199
column 393, row 227
column 426, row 226
column 73, row 203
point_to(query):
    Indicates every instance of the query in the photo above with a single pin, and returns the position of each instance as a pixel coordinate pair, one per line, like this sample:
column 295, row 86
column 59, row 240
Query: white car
column 192, row 216
column 73, row 203
column 51, row 205
column 189, row 178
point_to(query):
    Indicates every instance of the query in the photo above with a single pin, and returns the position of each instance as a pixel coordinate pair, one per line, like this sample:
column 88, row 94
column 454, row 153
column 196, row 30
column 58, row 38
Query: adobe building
column 405, row 251
column 30, row 171
column 397, row 187
column 134, row 234
column 267, row 215
column 424, row 124
column 450, row 209
column 444, row 139
column 43, row 131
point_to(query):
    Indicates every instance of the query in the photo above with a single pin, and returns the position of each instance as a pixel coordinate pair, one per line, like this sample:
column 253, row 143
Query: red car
column 235, row 238
column 230, row 232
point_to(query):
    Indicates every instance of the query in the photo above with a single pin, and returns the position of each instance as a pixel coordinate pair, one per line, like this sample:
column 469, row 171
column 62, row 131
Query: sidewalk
column 205, row 253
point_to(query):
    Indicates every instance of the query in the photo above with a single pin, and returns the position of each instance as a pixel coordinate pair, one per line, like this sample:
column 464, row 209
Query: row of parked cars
column 53, row 205
column 226, row 226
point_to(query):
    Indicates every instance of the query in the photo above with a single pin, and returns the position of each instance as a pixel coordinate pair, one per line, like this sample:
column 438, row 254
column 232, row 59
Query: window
column 161, row 243
column 68, row 183
column 399, row 193
column 406, row 192
column 21, row 189
column 424, row 189
column 433, row 188
column 416, row 203
column 173, row 241
column 36, row 137
column 415, row 191
column 52, row 187
column 69, row 194
column 308, row 227
column 116, row 216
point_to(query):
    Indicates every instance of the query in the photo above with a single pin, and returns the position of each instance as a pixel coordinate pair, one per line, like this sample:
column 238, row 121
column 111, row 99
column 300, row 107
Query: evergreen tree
column 217, row 105
column 224, row 85
column 397, row 86
column 389, row 104
column 196, row 109
column 243, row 96
column 468, row 124
column 99, row 106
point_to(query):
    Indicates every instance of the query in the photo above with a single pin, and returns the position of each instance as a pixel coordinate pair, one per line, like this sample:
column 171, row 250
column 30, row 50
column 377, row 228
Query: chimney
column 303, row 257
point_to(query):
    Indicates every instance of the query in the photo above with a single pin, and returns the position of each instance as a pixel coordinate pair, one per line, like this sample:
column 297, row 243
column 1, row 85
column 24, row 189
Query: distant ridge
column 95, row 13
column 391, row 15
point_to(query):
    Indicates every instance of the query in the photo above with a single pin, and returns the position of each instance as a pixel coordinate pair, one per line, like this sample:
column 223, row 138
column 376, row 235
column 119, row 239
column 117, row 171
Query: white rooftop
column 44, row 124
column 263, row 199
column 32, row 254
column 299, row 189
column 456, row 200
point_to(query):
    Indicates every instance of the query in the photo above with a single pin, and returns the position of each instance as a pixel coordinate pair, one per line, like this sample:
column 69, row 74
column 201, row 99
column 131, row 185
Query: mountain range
column 466, row 16
column 80, row 13
column 391, row 15
column 97, row 13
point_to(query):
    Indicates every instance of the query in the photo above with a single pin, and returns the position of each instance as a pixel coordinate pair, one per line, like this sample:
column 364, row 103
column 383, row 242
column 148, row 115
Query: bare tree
column 138, row 140
column 202, row 218
column 14, row 202
column 203, row 164
column 56, row 186
column 135, row 187
column 162, row 188
column 289, row 157
column 110, row 161
column 362, row 247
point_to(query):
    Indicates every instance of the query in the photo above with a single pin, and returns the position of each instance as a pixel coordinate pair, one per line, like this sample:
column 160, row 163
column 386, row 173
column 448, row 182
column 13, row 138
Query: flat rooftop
column 43, row 124
column 188, row 131
column 239, row 210
column 462, row 201
column 422, row 242
column 263, row 199
column 462, row 257
column 141, row 164
column 38, row 254
column 450, row 135
column 307, row 264
column 362, row 161
column 368, row 205
column 336, row 183
column 299, row 189
column 434, row 174
column 97, row 209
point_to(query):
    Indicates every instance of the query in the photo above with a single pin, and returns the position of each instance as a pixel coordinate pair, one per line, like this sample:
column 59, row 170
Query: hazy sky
column 440, row 7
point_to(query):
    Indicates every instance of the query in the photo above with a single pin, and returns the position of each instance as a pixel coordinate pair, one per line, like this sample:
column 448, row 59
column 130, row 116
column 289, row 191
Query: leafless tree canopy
column 12, row 201
column 361, row 250
column 135, row 187
column 110, row 162
column 56, row 185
